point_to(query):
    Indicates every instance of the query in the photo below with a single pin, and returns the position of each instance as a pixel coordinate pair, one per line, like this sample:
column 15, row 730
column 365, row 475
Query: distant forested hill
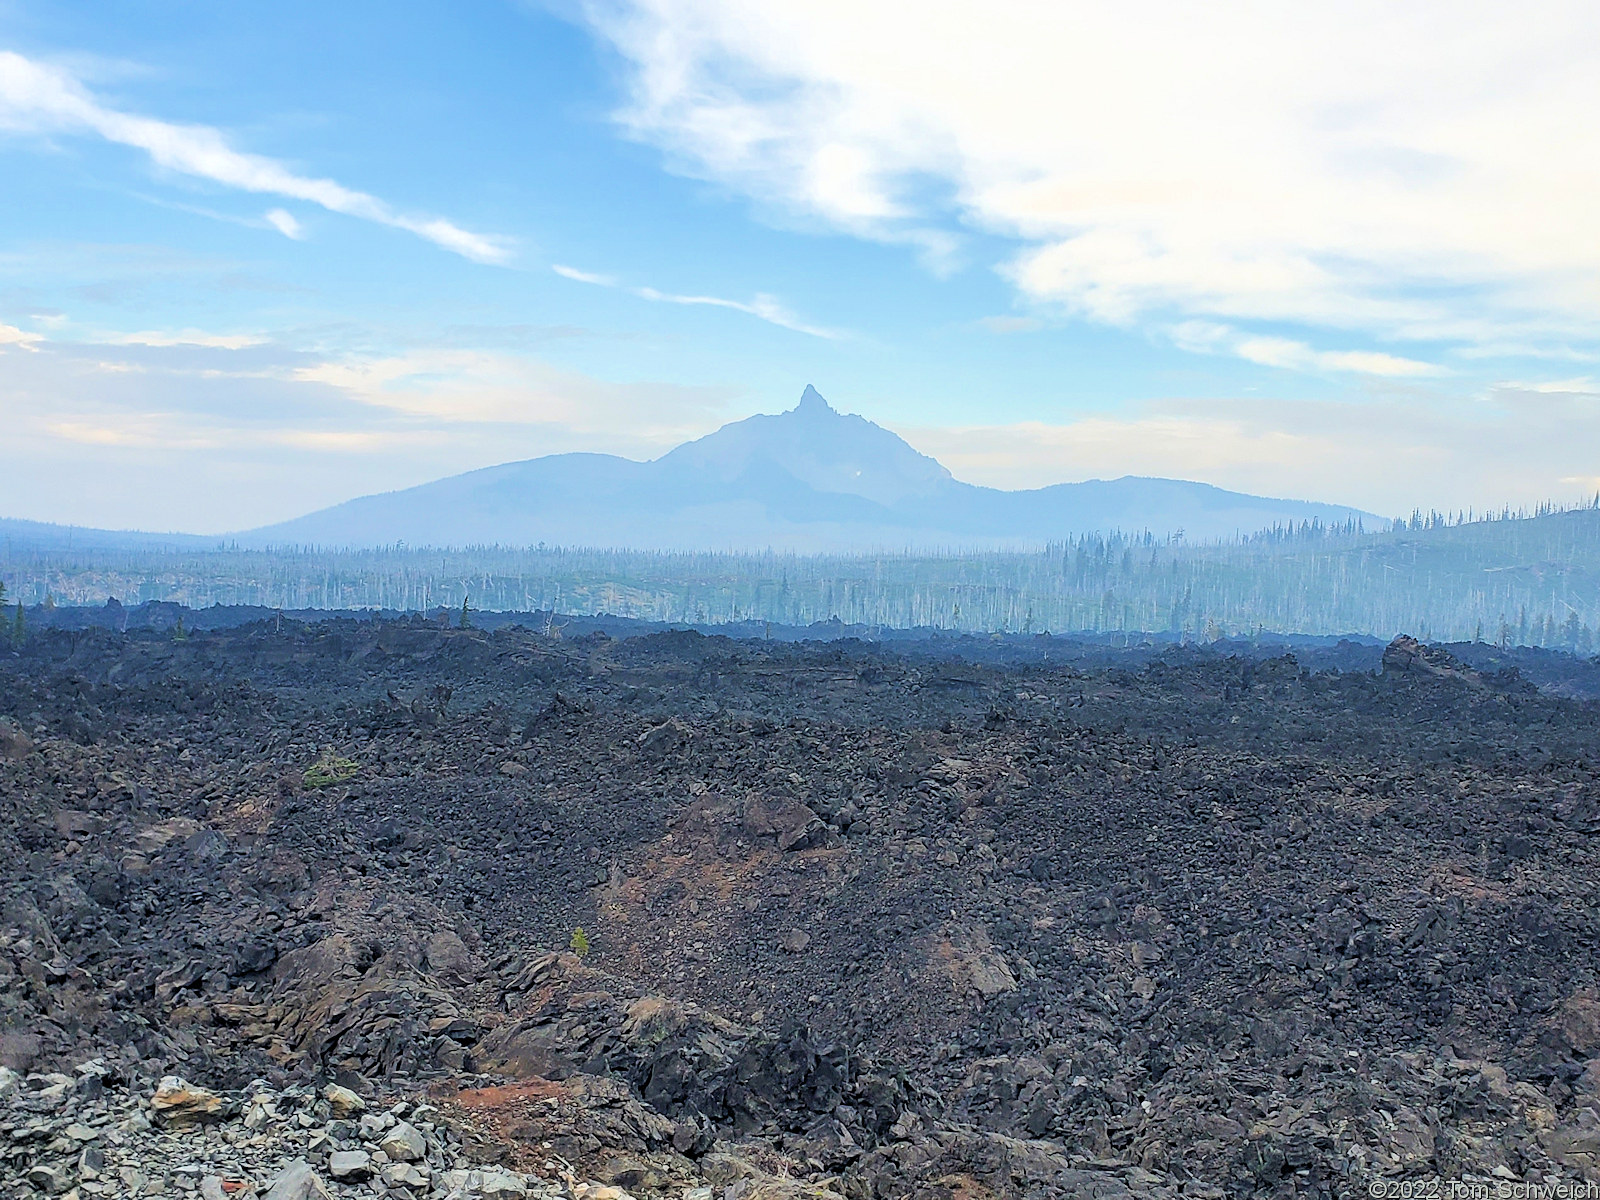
column 43, row 535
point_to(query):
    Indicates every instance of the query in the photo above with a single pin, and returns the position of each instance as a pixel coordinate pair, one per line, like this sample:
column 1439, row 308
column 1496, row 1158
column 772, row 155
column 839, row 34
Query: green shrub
column 579, row 943
column 328, row 770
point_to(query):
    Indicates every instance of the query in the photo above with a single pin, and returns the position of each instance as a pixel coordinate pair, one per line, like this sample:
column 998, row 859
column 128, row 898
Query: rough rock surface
column 858, row 923
column 95, row 1132
column 1406, row 654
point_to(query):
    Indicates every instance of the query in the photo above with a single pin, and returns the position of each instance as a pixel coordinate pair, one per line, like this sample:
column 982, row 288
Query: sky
column 259, row 259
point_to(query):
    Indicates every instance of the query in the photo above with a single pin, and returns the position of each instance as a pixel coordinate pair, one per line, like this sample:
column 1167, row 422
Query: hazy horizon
column 193, row 532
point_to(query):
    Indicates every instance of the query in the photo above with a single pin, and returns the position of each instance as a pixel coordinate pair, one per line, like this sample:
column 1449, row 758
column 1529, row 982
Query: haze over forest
column 816, row 517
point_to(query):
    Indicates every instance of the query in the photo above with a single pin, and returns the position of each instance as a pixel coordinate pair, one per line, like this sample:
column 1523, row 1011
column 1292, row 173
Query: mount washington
column 807, row 480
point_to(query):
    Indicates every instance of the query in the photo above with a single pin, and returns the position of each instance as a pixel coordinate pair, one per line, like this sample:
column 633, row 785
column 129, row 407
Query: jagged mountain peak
column 819, row 446
column 812, row 404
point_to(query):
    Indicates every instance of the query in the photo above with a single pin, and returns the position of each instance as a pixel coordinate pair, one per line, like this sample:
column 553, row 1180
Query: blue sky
column 257, row 259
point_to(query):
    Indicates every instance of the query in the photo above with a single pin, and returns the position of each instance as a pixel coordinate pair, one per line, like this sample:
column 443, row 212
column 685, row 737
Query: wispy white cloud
column 36, row 97
column 452, row 387
column 142, row 431
column 174, row 431
column 284, row 222
column 584, row 276
column 1209, row 337
column 10, row 335
column 764, row 307
column 185, row 337
column 1582, row 385
column 1392, row 171
column 1515, row 349
column 1293, row 355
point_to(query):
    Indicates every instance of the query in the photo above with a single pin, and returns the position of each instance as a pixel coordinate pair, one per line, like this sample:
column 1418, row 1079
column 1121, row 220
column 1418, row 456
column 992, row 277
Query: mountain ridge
column 808, row 480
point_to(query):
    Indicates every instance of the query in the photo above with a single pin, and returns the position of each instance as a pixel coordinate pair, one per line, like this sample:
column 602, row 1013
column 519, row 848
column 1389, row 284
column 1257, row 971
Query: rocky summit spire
column 812, row 403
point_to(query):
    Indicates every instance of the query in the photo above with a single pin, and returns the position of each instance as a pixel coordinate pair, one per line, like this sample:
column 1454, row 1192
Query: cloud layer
column 1386, row 172
column 38, row 98
column 207, row 433
column 1385, row 454
column 763, row 307
column 181, row 429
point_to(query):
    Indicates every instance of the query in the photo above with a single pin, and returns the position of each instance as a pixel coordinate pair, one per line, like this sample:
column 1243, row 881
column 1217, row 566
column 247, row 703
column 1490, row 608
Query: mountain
column 810, row 479
column 19, row 535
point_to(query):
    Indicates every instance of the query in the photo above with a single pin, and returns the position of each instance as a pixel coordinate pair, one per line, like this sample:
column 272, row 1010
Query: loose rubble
column 98, row 1134
column 856, row 924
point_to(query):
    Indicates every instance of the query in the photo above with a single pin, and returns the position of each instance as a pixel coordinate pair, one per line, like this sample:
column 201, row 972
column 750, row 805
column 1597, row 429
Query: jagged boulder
column 13, row 742
column 1405, row 655
column 179, row 1104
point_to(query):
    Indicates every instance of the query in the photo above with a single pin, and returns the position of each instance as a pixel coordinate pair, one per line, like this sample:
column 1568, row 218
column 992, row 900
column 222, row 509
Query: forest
column 1516, row 579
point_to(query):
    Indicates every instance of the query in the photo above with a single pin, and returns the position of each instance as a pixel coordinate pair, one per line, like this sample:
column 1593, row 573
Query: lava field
column 856, row 921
